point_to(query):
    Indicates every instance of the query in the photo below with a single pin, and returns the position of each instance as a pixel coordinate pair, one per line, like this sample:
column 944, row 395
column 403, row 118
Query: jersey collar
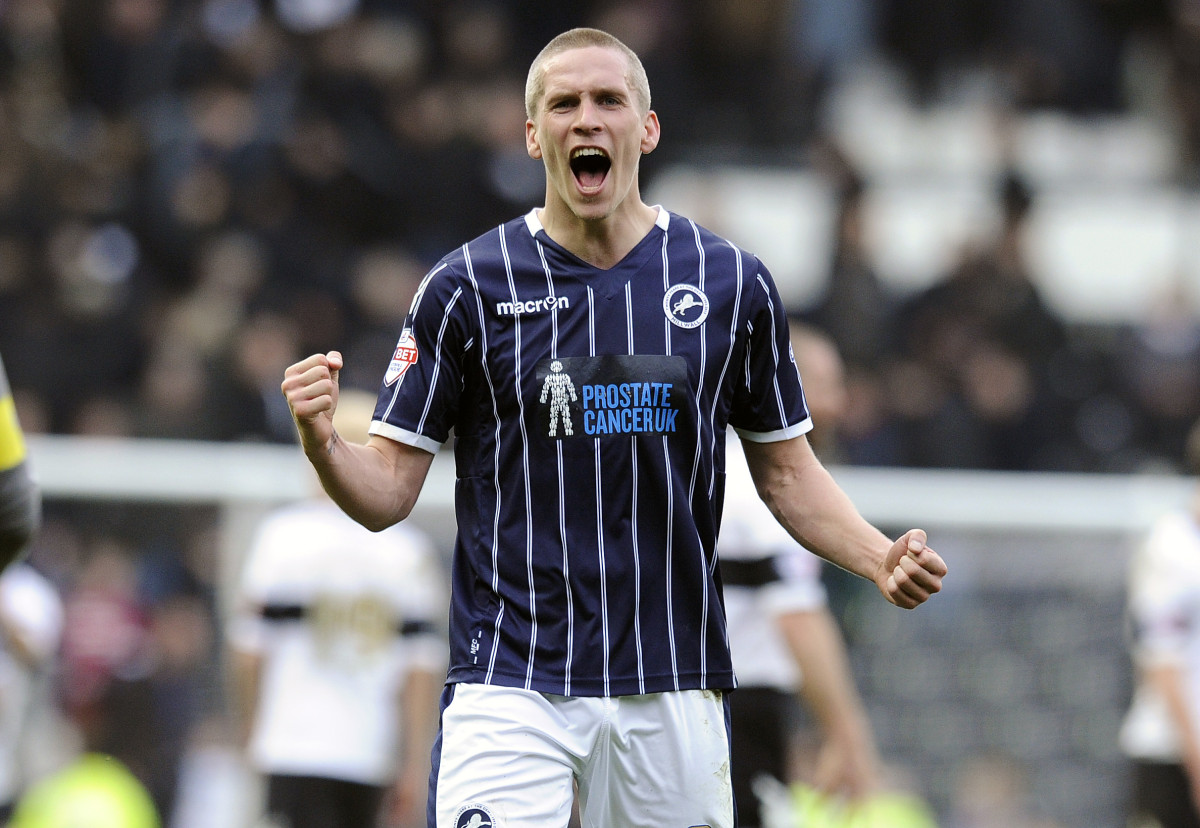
column 534, row 224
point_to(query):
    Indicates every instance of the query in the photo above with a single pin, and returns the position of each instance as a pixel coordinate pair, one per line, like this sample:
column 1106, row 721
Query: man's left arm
column 814, row 509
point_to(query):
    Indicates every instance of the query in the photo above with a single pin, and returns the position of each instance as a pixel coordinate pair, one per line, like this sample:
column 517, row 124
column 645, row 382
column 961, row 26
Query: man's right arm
column 376, row 484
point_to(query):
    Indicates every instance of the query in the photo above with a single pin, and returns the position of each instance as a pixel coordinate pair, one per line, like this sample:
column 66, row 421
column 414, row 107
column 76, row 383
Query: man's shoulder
column 494, row 239
column 708, row 238
column 491, row 249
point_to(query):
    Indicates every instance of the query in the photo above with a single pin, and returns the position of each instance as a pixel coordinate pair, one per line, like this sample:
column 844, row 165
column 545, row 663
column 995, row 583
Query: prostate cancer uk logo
column 403, row 358
column 611, row 396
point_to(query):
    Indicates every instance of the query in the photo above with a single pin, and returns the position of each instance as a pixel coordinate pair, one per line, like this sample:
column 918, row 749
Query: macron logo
column 532, row 306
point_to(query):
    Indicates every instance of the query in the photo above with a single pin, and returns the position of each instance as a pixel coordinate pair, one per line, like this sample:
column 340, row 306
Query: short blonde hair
column 535, row 82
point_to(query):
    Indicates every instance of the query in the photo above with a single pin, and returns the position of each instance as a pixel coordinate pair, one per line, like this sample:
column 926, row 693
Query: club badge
column 686, row 306
column 474, row 816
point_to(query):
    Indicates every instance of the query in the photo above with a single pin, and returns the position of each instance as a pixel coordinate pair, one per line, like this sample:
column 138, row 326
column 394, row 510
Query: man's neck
column 602, row 243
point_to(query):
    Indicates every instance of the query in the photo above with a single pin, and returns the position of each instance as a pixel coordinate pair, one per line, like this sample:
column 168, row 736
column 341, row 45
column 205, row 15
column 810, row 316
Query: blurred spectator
column 824, row 374
column 104, row 631
column 857, row 312
column 1184, row 79
column 175, row 397
column 31, row 619
column 147, row 711
column 123, row 52
column 994, row 791
column 971, row 387
column 338, row 660
column 1161, row 732
column 856, row 309
column 381, row 285
column 740, row 56
column 253, row 408
column 1053, row 53
column 1160, row 368
column 170, row 172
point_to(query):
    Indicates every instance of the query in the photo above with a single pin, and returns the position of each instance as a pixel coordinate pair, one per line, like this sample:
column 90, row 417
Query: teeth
column 579, row 153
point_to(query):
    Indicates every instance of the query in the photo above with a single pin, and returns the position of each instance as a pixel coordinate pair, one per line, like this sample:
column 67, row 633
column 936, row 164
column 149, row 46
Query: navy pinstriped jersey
column 589, row 410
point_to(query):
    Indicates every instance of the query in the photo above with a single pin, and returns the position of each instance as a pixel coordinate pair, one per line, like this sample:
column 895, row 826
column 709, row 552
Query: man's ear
column 531, row 141
column 653, row 132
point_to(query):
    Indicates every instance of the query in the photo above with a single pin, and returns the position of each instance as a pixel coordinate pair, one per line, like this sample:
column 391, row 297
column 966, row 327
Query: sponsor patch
column 518, row 307
column 686, row 306
column 611, row 396
column 403, row 358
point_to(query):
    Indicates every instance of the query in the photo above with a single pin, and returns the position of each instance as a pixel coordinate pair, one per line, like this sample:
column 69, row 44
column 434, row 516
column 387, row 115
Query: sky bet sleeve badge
column 405, row 355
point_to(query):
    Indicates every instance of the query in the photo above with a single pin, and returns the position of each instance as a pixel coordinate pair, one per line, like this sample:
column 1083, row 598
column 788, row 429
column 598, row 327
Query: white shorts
column 508, row 759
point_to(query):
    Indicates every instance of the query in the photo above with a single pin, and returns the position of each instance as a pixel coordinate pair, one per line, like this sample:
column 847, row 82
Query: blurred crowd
column 196, row 193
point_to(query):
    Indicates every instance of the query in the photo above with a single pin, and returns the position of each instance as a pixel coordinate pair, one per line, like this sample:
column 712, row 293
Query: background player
column 784, row 639
column 31, row 623
column 1161, row 732
column 338, row 654
column 587, row 638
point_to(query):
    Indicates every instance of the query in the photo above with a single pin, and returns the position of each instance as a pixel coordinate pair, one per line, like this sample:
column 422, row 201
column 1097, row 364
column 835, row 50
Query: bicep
column 409, row 464
column 778, row 465
column 409, row 467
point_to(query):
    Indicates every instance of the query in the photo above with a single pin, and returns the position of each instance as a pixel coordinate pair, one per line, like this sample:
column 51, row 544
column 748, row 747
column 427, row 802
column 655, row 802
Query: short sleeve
column 769, row 400
column 422, row 386
column 1165, row 592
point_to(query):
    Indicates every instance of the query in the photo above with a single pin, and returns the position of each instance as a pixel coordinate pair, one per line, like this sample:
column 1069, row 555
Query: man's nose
column 587, row 117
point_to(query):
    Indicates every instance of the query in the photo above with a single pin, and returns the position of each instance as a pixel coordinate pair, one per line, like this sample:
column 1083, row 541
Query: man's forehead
column 586, row 66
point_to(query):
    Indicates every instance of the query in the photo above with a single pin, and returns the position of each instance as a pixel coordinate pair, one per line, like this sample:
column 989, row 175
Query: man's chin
column 592, row 210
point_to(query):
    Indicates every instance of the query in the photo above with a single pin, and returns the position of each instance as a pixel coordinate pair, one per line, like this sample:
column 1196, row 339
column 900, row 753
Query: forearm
column 815, row 511
column 17, row 642
column 1169, row 680
column 245, row 675
column 375, row 484
column 827, row 684
column 419, row 716
column 419, row 722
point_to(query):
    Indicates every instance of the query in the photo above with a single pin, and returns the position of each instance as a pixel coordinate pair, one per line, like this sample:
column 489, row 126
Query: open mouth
column 590, row 165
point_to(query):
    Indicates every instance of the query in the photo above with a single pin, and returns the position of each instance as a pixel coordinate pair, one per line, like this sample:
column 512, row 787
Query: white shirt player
column 782, row 577
column 1164, row 605
column 340, row 615
column 31, row 611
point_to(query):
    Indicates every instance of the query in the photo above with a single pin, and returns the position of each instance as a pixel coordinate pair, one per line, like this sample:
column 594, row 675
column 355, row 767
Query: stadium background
column 992, row 206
